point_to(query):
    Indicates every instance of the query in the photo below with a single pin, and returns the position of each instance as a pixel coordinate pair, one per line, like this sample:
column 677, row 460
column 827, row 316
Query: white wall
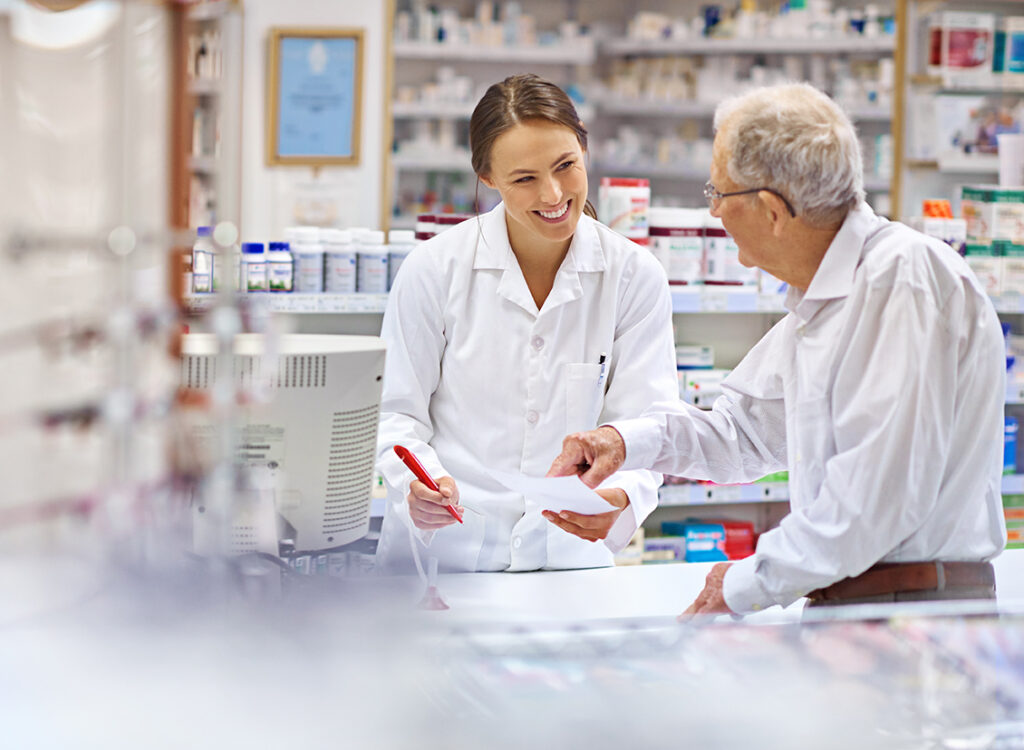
column 268, row 191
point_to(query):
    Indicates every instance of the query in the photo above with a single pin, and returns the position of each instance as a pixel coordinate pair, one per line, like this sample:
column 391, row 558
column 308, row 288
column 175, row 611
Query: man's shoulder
column 898, row 253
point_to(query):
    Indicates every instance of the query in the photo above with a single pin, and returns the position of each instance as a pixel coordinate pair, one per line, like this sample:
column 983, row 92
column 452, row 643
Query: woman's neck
column 539, row 261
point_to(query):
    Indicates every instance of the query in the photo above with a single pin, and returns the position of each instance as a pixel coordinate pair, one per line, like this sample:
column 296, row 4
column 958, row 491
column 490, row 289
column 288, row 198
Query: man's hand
column 594, row 455
column 593, row 527
column 710, row 601
column 426, row 507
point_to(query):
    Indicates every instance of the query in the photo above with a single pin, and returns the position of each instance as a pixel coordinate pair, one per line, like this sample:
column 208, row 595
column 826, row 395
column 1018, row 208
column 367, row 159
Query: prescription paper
column 555, row 493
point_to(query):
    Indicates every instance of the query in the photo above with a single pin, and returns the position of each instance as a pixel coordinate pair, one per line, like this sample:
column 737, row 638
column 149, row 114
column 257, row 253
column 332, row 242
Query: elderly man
column 881, row 391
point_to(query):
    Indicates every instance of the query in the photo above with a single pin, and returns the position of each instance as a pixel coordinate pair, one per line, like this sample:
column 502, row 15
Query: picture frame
column 314, row 96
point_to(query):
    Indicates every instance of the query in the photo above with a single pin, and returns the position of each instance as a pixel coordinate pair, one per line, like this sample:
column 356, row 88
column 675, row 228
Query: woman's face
column 537, row 166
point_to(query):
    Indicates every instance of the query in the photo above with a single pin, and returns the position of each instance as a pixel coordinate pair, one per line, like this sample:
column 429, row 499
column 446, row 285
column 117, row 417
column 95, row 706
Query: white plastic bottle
column 372, row 264
column 308, row 257
column 279, row 267
column 254, row 267
column 677, row 241
column 400, row 243
column 202, row 261
column 339, row 261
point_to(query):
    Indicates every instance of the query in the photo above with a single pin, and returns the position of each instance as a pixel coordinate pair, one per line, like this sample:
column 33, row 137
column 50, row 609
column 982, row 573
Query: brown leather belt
column 895, row 578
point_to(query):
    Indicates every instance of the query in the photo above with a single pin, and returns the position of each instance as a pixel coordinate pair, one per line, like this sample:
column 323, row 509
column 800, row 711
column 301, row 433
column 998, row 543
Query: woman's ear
column 487, row 181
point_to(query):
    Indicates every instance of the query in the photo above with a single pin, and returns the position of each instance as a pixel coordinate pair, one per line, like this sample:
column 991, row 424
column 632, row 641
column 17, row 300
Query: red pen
column 417, row 468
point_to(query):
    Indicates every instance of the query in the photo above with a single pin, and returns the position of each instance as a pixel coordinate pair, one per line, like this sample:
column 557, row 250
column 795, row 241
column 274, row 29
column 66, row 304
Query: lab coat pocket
column 584, row 396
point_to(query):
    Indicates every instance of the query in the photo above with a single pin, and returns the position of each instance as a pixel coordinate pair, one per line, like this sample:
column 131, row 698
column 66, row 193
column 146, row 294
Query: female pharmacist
column 508, row 331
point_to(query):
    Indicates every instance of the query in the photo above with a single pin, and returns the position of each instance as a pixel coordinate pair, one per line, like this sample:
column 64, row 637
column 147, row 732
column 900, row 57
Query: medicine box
column 701, row 387
column 986, row 266
column 1011, row 256
column 960, row 42
column 695, row 357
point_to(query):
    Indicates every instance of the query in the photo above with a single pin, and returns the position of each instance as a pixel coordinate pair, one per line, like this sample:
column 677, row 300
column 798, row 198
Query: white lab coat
column 476, row 378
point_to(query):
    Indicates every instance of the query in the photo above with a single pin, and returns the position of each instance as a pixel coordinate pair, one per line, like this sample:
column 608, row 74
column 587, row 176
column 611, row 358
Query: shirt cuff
column 642, row 437
column 742, row 590
column 622, row 530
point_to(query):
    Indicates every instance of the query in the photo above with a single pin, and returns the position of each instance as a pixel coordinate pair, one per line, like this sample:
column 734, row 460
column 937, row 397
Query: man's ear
column 776, row 212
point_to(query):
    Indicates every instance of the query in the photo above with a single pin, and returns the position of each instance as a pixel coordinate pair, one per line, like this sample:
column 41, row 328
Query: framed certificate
column 313, row 97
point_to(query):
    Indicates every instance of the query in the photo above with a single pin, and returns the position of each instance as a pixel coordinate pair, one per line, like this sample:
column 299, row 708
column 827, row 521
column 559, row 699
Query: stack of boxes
column 696, row 540
column 1013, row 509
column 994, row 248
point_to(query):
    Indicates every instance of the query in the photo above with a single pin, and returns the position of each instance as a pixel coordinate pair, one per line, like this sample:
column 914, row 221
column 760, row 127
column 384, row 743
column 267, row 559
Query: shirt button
column 532, row 417
column 517, row 542
column 537, row 343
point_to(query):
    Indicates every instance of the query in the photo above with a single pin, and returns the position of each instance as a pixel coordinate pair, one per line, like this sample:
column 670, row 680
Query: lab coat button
column 532, row 417
column 517, row 542
column 537, row 342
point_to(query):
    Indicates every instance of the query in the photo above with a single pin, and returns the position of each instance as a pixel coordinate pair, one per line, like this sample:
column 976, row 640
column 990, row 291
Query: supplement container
column 372, row 264
column 202, row 261
column 308, row 258
column 677, row 241
column 254, row 267
column 339, row 261
column 447, row 221
column 426, row 226
column 279, row 267
column 400, row 244
column 623, row 204
column 722, row 256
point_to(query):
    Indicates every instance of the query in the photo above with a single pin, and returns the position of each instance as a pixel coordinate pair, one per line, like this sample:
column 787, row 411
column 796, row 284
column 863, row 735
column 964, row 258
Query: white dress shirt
column 882, row 392
column 477, row 378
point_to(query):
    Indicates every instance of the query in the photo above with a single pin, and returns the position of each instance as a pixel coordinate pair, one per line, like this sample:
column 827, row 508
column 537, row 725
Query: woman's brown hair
column 520, row 99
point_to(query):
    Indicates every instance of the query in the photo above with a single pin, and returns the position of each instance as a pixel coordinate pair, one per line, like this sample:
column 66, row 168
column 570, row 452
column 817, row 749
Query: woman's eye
column 565, row 165
column 522, row 180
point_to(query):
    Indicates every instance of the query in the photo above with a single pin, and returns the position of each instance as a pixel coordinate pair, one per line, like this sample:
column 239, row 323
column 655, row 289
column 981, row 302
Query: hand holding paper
column 569, row 504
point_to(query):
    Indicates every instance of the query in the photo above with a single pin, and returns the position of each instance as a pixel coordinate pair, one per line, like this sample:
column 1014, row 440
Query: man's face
column 742, row 215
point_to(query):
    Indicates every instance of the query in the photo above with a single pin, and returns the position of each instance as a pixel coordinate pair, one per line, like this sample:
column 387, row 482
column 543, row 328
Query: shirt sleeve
column 742, row 438
column 413, row 332
column 642, row 371
column 891, row 415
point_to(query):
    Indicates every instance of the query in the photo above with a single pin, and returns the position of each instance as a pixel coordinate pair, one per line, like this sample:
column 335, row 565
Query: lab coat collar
column 834, row 277
column 493, row 251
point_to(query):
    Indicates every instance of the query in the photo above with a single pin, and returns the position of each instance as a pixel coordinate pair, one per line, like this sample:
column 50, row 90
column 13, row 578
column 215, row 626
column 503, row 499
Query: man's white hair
column 794, row 139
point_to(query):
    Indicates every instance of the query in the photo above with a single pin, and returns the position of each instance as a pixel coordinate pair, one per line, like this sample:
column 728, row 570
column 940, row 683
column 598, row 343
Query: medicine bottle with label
column 339, row 261
column 202, row 261
column 254, row 267
column 279, row 267
column 400, row 243
column 308, row 258
column 372, row 264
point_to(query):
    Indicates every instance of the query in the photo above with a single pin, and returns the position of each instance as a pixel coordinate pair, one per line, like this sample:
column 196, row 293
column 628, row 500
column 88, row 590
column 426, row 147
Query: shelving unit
column 703, row 46
column 207, row 113
column 936, row 175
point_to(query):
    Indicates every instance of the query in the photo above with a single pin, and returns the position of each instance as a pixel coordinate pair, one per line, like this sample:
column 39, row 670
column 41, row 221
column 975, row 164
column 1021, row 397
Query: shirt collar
column 493, row 251
column 834, row 277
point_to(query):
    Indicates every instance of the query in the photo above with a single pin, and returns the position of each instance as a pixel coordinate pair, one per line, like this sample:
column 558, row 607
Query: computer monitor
column 307, row 438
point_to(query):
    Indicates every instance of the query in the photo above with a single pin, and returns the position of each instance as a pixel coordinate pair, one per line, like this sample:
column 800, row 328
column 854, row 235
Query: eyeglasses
column 713, row 196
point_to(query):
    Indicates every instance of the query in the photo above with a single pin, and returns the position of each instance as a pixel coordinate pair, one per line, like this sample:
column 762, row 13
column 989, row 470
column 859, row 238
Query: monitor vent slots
column 348, row 479
column 300, row 371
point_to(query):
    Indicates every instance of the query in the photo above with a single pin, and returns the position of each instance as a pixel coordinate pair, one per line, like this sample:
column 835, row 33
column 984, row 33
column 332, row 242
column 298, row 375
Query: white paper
column 555, row 493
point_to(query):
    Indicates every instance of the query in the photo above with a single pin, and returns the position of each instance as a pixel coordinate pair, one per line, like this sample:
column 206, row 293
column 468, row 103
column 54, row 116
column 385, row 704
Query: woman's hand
column 426, row 507
column 595, row 527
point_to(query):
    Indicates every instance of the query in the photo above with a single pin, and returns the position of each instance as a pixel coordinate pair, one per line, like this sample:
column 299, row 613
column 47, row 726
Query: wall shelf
column 725, row 299
column 710, row 494
column 580, row 52
column 643, row 169
column 301, row 303
column 453, row 162
column 704, row 46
